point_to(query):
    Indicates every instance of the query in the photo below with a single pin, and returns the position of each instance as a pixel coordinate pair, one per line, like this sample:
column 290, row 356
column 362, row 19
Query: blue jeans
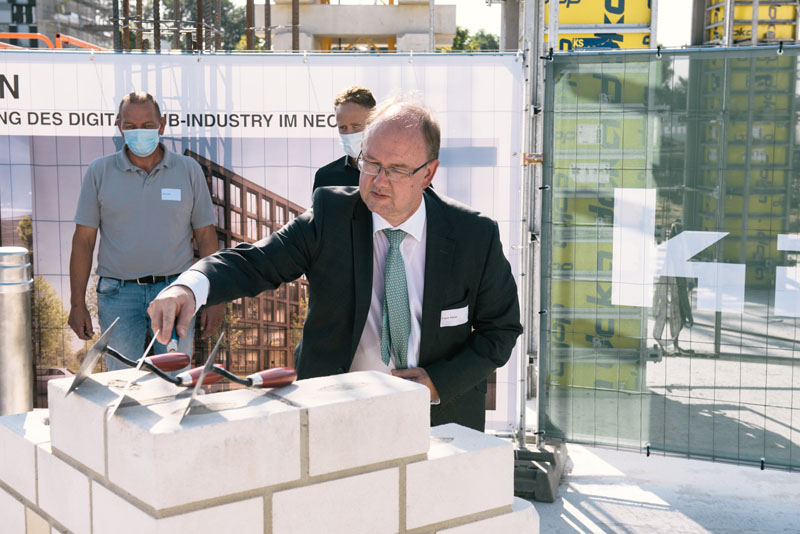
column 129, row 301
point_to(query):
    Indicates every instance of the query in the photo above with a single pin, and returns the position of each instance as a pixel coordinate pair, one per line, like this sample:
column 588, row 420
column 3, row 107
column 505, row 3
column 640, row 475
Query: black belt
column 145, row 280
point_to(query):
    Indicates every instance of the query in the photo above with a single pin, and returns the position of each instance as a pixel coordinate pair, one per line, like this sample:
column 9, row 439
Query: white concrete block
column 236, row 441
column 113, row 515
column 78, row 421
column 63, row 491
column 12, row 513
column 522, row 519
column 466, row 472
column 19, row 435
column 361, row 504
column 357, row 419
column 35, row 524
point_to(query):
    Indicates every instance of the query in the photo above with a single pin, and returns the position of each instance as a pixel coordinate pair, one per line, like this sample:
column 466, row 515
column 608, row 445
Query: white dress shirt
column 368, row 352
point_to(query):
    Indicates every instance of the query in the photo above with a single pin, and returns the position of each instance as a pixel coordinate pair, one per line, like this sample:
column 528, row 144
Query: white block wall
column 349, row 454
column 13, row 512
column 19, row 436
column 466, row 473
column 362, row 504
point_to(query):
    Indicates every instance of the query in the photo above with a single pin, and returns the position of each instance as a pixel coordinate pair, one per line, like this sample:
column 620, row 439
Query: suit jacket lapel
column 438, row 264
column 362, row 270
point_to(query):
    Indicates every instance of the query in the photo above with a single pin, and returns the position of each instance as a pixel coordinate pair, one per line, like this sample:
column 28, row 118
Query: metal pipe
column 199, row 26
column 431, row 30
column 16, row 341
column 208, row 23
column 249, row 32
column 126, row 28
column 139, row 18
column 295, row 25
column 218, row 25
column 176, row 16
column 115, row 25
column 157, row 25
column 267, row 24
column 754, row 27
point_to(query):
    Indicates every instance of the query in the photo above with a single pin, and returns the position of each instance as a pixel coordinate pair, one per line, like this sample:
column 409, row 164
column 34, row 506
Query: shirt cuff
column 197, row 284
column 436, row 402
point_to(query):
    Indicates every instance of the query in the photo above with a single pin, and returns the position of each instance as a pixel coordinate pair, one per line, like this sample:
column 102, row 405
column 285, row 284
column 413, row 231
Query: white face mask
column 351, row 143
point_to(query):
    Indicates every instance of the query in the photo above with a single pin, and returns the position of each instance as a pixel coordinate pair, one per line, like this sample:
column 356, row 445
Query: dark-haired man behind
column 352, row 106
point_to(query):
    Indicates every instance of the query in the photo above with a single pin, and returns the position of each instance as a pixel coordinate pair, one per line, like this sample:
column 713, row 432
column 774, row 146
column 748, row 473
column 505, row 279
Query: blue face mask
column 141, row 142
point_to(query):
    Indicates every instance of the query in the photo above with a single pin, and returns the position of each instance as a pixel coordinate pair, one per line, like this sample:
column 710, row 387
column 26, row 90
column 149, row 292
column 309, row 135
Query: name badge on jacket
column 454, row 317
column 171, row 194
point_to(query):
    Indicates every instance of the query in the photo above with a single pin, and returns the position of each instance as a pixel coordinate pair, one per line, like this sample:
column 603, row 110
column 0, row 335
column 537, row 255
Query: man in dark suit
column 352, row 106
column 450, row 315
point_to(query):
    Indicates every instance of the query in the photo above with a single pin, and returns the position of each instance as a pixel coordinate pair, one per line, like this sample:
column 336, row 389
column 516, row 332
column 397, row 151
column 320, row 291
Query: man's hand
column 174, row 301
column 211, row 319
column 81, row 322
column 420, row 376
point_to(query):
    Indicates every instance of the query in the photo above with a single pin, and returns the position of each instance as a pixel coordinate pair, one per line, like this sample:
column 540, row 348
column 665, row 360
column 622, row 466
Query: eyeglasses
column 392, row 173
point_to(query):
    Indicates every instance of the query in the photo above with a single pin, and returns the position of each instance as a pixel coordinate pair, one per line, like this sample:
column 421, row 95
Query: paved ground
column 624, row 492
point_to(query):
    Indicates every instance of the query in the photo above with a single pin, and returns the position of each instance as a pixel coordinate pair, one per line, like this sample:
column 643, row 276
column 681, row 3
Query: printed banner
column 260, row 126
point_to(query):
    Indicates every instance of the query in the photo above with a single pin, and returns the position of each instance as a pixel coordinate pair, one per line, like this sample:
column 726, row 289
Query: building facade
column 262, row 331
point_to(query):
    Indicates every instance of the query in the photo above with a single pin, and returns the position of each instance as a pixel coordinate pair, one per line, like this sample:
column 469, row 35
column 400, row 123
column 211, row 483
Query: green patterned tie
column 396, row 324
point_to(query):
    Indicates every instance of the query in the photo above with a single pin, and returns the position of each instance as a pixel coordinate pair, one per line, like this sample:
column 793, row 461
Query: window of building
column 292, row 215
column 265, row 230
column 218, row 189
column 236, row 222
column 220, row 216
column 251, row 337
column 266, row 209
column 236, row 196
column 237, row 308
column 252, row 309
column 268, row 311
column 238, row 361
column 280, row 312
column 252, row 228
column 252, row 202
column 252, row 361
column 280, row 292
column 276, row 336
column 280, row 215
column 276, row 358
column 294, row 292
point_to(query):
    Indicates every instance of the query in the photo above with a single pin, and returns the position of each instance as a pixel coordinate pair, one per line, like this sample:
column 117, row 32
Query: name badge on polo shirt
column 171, row 194
column 454, row 317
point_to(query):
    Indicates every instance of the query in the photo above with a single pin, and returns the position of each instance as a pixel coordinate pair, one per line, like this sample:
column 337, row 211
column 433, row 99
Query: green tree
column 485, row 41
column 461, row 40
column 49, row 324
column 242, row 44
column 296, row 325
column 480, row 41
column 25, row 231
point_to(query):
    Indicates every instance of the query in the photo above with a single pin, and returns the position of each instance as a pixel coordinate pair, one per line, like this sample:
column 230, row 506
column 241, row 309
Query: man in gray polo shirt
column 148, row 203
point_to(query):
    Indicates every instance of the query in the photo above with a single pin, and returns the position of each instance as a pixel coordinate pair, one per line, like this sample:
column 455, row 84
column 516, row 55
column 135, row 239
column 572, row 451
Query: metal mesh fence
column 670, row 251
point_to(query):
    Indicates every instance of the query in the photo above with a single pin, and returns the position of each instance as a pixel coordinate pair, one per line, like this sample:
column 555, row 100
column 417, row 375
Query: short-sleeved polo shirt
column 145, row 220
